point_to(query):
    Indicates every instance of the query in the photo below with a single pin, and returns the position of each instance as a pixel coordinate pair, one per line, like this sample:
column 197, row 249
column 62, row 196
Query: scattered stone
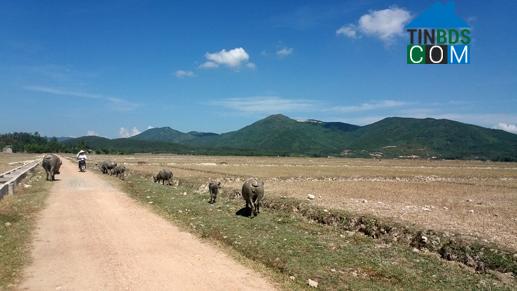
column 445, row 208
column 364, row 201
column 354, row 273
column 184, row 193
column 469, row 200
column 333, row 270
column 426, row 208
column 471, row 211
column 325, row 210
column 292, row 278
column 150, row 202
column 312, row 283
column 7, row 224
column 148, row 197
column 27, row 186
column 310, row 196
column 415, row 250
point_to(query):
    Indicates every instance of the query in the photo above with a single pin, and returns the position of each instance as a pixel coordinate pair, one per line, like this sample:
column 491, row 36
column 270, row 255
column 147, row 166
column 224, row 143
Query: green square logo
column 415, row 54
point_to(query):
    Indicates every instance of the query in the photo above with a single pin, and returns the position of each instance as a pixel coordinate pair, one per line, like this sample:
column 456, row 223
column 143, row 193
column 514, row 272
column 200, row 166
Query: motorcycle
column 82, row 165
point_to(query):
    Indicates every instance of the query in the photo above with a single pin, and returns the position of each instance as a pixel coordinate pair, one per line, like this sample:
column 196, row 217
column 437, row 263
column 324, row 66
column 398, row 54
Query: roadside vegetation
column 17, row 219
column 298, row 247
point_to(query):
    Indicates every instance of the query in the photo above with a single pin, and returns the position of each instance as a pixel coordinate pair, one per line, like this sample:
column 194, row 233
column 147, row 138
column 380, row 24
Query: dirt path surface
column 91, row 236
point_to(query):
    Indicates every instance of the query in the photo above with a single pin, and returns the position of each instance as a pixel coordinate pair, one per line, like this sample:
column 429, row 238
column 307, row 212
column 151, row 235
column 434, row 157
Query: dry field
column 472, row 198
column 10, row 161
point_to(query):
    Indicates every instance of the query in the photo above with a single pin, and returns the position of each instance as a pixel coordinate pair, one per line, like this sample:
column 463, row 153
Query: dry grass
column 18, row 214
column 472, row 198
column 9, row 161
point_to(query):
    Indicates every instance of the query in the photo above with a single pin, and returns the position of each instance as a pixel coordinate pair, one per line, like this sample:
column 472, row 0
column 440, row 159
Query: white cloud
column 251, row 65
column 184, row 74
column 92, row 133
column 368, row 106
column 233, row 58
column 63, row 92
column 117, row 104
column 349, row 30
column 150, row 127
column 384, row 24
column 208, row 65
column 266, row 104
column 126, row 132
column 507, row 127
column 284, row 52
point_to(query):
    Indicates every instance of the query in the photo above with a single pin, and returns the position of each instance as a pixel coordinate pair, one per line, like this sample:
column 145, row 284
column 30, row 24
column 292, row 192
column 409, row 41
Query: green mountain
column 125, row 145
column 167, row 134
column 428, row 137
column 281, row 135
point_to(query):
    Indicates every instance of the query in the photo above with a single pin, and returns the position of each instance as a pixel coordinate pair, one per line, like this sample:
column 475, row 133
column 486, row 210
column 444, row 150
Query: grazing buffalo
column 107, row 167
column 163, row 175
column 213, row 188
column 253, row 193
column 51, row 163
column 119, row 171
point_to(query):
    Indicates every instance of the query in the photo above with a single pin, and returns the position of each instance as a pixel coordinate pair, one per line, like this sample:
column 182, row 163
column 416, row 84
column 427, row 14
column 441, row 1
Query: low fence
column 9, row 180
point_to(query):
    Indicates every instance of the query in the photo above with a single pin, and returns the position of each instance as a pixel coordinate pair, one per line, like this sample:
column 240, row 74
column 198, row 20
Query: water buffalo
column 119, row 171
column 51, row 163
column 253, row 193
column 213, row 188
column 163, row 175
column 107, row 167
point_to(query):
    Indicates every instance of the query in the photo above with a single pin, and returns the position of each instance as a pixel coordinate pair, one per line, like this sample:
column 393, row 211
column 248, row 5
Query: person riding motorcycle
column 81, row 157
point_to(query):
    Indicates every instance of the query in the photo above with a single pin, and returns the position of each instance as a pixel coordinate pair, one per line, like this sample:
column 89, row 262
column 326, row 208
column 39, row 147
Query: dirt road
column 91, row 236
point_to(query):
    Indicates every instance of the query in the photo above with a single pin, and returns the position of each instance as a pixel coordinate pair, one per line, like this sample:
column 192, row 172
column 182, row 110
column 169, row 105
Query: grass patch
column 17, row 218
column 291, row 245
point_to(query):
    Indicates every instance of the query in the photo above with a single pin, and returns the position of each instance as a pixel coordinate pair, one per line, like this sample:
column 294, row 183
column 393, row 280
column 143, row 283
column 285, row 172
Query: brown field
column 472, row 198
column 10, row 161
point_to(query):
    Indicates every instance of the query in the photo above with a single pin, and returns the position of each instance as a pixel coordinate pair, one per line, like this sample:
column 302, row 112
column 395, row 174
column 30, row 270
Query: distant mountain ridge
column 280, row 135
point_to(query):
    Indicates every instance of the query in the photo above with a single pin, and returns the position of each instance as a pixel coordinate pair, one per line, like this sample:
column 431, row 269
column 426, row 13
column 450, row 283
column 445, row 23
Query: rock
column 415, row 250
column 184, row 193
column 310, row 196
column 333, row 270
column 7, row 224
column 469, row 200
column 424, row 239
column 312, row 283
column 292, row 278
column 27, row 186
column 364, row 201
column 471, row 211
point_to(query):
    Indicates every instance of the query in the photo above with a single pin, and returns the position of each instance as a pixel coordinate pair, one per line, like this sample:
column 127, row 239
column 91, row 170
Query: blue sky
column 114, row 68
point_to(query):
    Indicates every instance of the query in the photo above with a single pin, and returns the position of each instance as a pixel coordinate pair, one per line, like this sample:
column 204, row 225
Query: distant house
column 7, row 149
